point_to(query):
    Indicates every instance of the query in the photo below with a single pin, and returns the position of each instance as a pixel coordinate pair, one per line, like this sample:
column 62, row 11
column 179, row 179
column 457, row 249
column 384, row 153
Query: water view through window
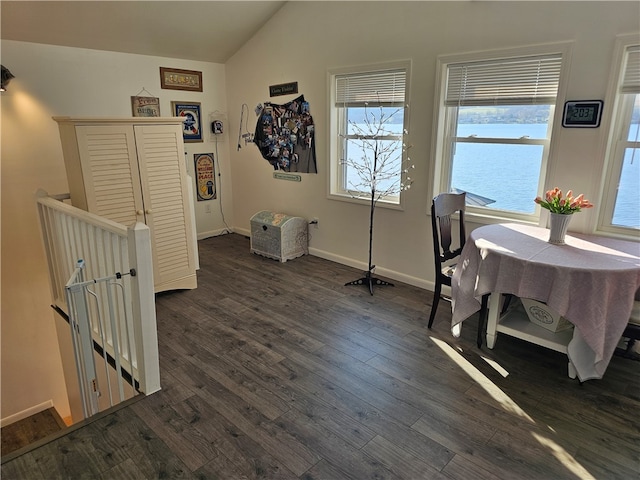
column 508, row 174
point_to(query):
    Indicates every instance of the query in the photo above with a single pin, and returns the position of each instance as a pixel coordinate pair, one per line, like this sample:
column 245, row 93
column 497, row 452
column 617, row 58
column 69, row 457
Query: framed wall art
column 145, row 106
column 177, row 79
column 192, row 126
column 205, row 176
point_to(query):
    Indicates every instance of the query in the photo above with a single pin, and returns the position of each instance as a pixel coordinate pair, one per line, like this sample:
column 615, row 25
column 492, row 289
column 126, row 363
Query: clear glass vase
column 558, row 224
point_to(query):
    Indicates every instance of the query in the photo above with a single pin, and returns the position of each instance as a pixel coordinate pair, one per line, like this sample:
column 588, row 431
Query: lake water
column 513, row 171
column 508, row 174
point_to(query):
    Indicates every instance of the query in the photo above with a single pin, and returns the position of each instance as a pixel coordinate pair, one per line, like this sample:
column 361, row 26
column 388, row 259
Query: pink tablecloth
column 591, row 281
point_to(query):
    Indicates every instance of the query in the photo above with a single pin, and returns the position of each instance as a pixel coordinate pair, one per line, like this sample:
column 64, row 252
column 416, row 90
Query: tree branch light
column 381, row 169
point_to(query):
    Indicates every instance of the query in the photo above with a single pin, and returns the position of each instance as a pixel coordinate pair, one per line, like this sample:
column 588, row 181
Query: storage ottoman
column 279, row 236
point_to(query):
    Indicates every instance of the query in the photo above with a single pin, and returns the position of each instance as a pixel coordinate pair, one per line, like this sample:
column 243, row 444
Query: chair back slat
column 443, row 207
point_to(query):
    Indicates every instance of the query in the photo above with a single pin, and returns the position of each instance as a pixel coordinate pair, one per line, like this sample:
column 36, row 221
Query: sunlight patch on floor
column 564, row 457
column 509, row 405
column 498, row 395
column 496, row 366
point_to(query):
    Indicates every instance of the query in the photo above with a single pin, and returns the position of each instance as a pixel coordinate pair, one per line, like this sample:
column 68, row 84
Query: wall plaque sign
column 287, row 176
column 205, row 176
column 283, row 89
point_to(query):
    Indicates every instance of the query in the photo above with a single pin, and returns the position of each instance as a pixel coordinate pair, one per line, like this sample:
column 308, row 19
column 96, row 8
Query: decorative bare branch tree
column 382, row 170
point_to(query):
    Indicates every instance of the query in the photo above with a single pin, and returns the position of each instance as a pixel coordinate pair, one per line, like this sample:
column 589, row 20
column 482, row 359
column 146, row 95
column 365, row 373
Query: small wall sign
column 283, row 89
column 582, row 114
column 205, row 176
column 145, row 106
column 287, row 176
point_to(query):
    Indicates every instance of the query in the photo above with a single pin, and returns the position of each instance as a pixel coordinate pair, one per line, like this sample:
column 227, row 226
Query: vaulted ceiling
column 210, row 31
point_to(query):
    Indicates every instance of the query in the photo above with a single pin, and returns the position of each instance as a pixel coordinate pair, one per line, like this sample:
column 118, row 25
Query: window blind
column 385, row 88
column 631, row 75
column 513, row 81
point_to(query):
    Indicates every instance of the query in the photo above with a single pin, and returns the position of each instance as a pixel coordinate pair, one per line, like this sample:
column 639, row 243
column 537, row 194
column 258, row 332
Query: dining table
column 590, row 280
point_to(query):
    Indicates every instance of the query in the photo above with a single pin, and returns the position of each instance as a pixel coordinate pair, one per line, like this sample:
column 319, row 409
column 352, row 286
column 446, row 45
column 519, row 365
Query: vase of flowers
column 561, row 208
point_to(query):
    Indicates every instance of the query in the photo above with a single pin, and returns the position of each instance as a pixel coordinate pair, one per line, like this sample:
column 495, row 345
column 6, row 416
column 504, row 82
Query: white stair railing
column 106, row 248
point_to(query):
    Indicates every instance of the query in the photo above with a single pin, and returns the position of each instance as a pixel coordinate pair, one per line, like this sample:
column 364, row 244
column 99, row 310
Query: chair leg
column 434, row 304
column 482, row 319
column 505, row 305
column 630, row 344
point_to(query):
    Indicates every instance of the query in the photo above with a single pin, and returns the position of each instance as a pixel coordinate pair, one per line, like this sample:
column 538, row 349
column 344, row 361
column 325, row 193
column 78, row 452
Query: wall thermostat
column 582, row 114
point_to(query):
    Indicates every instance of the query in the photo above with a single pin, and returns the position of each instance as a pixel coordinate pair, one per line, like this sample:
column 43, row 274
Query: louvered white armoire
column 133, row 170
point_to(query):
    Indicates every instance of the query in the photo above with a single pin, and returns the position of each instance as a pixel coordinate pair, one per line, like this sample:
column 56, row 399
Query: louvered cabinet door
column 109, row 163
column 167, row 205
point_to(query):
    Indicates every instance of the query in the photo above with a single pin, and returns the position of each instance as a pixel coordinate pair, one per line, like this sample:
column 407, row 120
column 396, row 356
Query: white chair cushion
column 449, row 269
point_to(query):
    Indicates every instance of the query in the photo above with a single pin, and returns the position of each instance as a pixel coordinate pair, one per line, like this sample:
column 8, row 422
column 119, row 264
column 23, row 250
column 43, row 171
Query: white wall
column 305, row 39
column 300, row 43
column 52, row 80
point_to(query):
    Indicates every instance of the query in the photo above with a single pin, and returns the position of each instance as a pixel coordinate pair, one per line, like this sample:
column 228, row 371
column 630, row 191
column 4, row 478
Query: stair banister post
column 144, row 308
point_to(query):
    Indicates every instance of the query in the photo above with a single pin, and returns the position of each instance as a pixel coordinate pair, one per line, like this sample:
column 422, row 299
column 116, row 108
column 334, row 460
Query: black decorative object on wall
column 6, row 78
column 285, row 136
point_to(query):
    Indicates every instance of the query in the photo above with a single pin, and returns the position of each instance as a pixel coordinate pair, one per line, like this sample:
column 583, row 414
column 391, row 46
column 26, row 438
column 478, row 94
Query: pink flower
column 549, row 195
column 555, row 203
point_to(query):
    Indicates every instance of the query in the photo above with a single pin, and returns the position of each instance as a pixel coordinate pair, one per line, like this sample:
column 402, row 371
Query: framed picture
column 145, row 106
column 176, row 79
column 192, row 126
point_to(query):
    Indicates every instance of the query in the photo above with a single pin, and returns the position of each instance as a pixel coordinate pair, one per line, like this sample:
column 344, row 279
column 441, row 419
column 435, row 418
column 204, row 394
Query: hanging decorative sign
column 145, row 106
column 283, row 89
column 205, row 176
column 285, row 136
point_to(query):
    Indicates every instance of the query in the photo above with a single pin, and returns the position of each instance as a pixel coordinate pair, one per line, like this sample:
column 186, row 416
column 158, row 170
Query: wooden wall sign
column 283, row 89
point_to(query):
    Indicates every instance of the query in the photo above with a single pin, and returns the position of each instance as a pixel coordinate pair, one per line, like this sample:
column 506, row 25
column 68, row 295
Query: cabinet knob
column 139, row 212
column 148, row 211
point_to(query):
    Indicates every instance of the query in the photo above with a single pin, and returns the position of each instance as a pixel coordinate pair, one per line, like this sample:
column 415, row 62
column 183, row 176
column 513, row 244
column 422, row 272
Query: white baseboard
column 26, row 413
column 242, row 231
column 214, row 233
column 384, row 272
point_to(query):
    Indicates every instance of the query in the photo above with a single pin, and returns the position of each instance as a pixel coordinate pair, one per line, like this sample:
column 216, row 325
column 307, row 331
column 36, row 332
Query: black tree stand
column 369, row 280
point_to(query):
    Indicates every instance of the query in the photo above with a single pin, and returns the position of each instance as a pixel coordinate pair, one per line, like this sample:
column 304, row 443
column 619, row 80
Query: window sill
column 619, row 233
column 364, row 201
column 484, row 217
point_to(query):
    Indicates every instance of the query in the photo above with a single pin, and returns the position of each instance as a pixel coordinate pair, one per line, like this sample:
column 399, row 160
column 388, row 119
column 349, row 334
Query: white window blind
column 513, row 81
column 631, row 76
column 386, row 88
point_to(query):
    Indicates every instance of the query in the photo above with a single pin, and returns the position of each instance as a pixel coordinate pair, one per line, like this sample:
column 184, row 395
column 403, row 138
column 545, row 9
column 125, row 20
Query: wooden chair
column 442, row 208
column 632, row 332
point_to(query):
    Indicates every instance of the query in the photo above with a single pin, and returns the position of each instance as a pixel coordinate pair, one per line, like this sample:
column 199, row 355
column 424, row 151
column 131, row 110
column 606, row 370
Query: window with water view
column 496, row 132
column 621, row 197
column 496, row 146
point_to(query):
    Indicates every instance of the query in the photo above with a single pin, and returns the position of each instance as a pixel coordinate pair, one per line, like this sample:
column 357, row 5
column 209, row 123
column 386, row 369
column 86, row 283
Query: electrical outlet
column 207, row 208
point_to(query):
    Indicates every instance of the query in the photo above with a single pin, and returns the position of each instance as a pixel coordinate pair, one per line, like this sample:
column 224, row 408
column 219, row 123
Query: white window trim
column 611, row 156
column 334, row 137
column 439, row 149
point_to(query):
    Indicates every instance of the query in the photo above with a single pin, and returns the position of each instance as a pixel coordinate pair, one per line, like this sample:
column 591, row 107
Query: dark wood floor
column 29, row 430
column 279, row 371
